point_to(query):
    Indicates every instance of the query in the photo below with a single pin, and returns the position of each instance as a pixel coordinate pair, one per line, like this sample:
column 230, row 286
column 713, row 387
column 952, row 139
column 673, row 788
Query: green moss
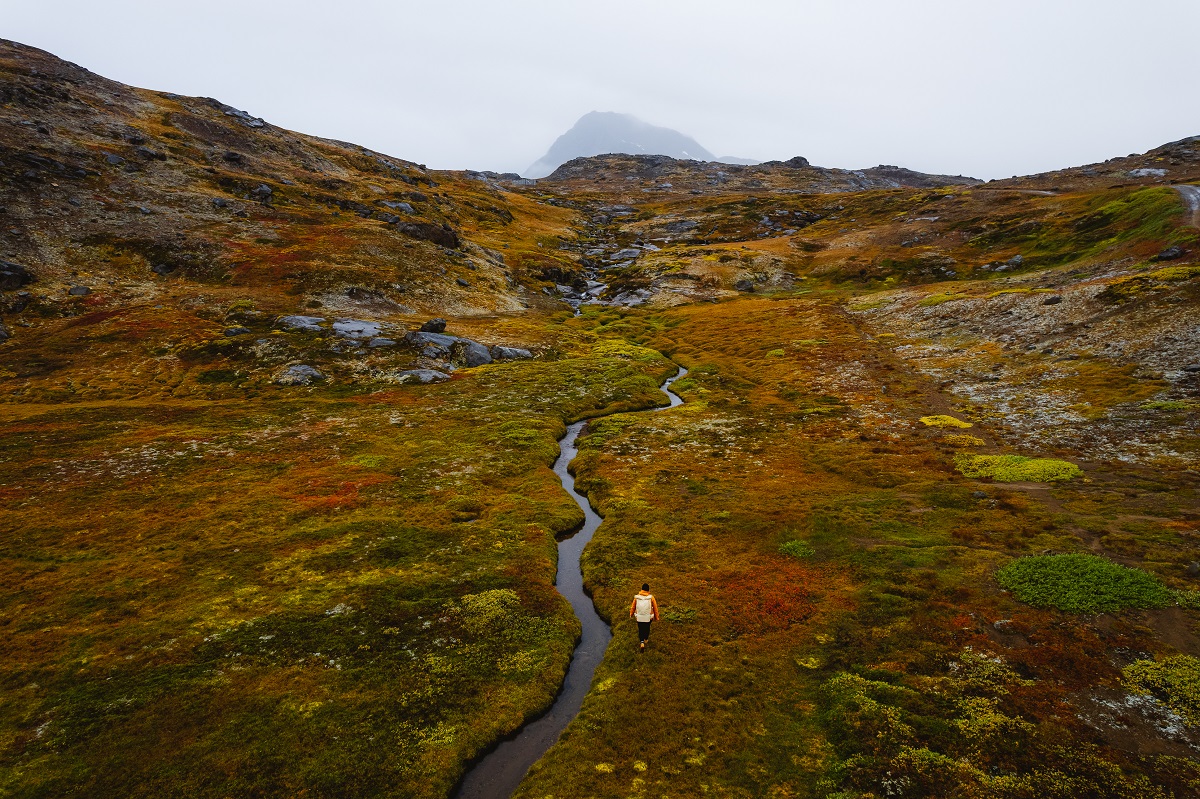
column 938, row 299
column 1174, row 680
column 1016, row 468
column 797, row 549
column 1079, row 583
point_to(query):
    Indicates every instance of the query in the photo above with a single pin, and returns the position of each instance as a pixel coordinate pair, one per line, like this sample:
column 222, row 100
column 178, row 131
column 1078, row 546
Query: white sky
column 989, row 89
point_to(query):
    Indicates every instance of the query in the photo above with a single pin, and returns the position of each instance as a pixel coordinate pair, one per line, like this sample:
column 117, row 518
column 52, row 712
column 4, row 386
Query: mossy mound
column 964, row 440
column 1174, row 680
column 1080, row 583
column 797, row 549
column 942, row 420
column 1016, row 468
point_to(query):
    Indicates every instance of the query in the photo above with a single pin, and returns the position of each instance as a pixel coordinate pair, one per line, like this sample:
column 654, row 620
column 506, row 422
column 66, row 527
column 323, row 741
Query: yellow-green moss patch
column 941, row 420
column 1016, row 468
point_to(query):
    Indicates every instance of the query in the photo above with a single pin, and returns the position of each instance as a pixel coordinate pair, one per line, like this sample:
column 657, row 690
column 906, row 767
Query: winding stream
column 499, row 773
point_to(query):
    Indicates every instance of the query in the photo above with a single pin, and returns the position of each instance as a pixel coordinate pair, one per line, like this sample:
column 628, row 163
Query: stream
column 497, row 774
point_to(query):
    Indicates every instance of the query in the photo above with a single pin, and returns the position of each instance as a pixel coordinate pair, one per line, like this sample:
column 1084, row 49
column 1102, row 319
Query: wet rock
column 465, row 352
column 1170, row 254
column 79, row 291
column 509, row 353
column 307, row 324
column 434, row 326
column 625, row 254
column 1055, row 300
column 13, row 276
column 420, row 376
column 355, row 328
column 298, row 375
column 236, row 331
column 381, row 342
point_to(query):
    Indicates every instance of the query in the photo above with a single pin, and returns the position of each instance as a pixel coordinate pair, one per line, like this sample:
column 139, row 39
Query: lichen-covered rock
column 305, row 324
column 355, row 328
column 298, row 375
column 465, row 352
column 418, row 376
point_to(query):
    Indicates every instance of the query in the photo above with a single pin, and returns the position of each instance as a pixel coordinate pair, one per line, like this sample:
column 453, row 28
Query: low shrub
column 1174, row 681
column 964, row 440
column 797, row 549
column 1016, row 468
column 941, row 420
column 1079, row 583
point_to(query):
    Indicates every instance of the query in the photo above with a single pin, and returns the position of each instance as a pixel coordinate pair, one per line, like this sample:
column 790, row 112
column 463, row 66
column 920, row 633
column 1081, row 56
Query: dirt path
column 1191, row 198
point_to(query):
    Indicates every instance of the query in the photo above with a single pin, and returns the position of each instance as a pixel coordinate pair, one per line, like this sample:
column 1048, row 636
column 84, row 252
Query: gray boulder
column 404, row 208
column 509, row 353
column 298, row 375
column 625, row 254
column 381, row 342
column 744, row 285
column 1055, row 300
column 1170, row 254
column 236, row 331
column 355, row 328
column 306, row 324
column 435, row 352
column 13, row 276
column 418, row 339
column 420, row 376
column 434, row 326
column 465, row 352
column 79, row 291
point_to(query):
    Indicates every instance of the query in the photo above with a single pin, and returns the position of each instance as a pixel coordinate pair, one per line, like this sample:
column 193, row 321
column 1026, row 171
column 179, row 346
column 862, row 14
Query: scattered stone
column 1147, row 172
column 220, row 202
column 114, row 160
column 442, row 235
column 509, row 353
column 979, row 495
column 462, row 282
column 355, row 328
column 4, row 334
column 298, row 375
column 1192, row 367
column 146, row 152
column 163, row 269
column 232, row 157
column 236, row 331
column 1170, row 254
column 465, row 352
column 1055, row 300
column 381, row 342
column 13, row 276
column 1015, row 261
column 420, row 376
column 262, row 191
column 307, row 324
column 79, row 291
column 744, row 285
column 435, row 352
column 434, row 326
column 398, row 206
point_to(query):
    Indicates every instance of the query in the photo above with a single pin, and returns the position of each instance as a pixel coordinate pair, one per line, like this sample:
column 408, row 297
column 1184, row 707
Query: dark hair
column 645, row 586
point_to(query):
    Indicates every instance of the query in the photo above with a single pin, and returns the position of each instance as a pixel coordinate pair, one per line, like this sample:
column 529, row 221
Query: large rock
column 1170, row 254
column 13, row 276
column 465, row 352
column 355, row 328
column 625, row 254
column 434, row 326
column 298, row 375
column 442, row 235
column 419, row 376
column 306, row 324
column 79, row 291
column 509, row 353
column 419, row 339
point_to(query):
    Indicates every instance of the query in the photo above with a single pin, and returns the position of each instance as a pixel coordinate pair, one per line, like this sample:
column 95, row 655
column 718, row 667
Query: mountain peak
column 603, row 132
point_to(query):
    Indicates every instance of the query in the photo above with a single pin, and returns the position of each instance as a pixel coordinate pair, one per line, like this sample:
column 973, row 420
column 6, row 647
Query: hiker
column 645, row 610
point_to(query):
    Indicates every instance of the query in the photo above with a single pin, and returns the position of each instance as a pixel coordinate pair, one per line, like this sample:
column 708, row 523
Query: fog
column 985, row 89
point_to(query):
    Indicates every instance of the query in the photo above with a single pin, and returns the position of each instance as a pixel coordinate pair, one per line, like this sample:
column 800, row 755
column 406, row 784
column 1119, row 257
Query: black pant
column 643, row 630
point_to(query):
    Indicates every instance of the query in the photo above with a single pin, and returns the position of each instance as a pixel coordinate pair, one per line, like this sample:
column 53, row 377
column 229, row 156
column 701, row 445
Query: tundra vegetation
column 925, row 526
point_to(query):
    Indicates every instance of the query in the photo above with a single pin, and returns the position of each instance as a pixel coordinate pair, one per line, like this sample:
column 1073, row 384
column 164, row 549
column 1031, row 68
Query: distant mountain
column 602, row 132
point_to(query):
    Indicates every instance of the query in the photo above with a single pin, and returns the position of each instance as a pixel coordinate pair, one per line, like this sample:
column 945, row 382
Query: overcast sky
column 989, row 89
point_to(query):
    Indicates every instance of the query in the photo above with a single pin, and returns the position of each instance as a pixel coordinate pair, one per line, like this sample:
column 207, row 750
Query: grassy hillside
column 926, row 524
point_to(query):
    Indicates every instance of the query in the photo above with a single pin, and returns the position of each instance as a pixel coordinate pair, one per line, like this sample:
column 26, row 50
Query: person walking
column 645, row 610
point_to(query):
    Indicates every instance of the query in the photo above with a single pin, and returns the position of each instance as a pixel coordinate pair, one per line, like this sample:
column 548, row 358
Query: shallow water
column 499, row 773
